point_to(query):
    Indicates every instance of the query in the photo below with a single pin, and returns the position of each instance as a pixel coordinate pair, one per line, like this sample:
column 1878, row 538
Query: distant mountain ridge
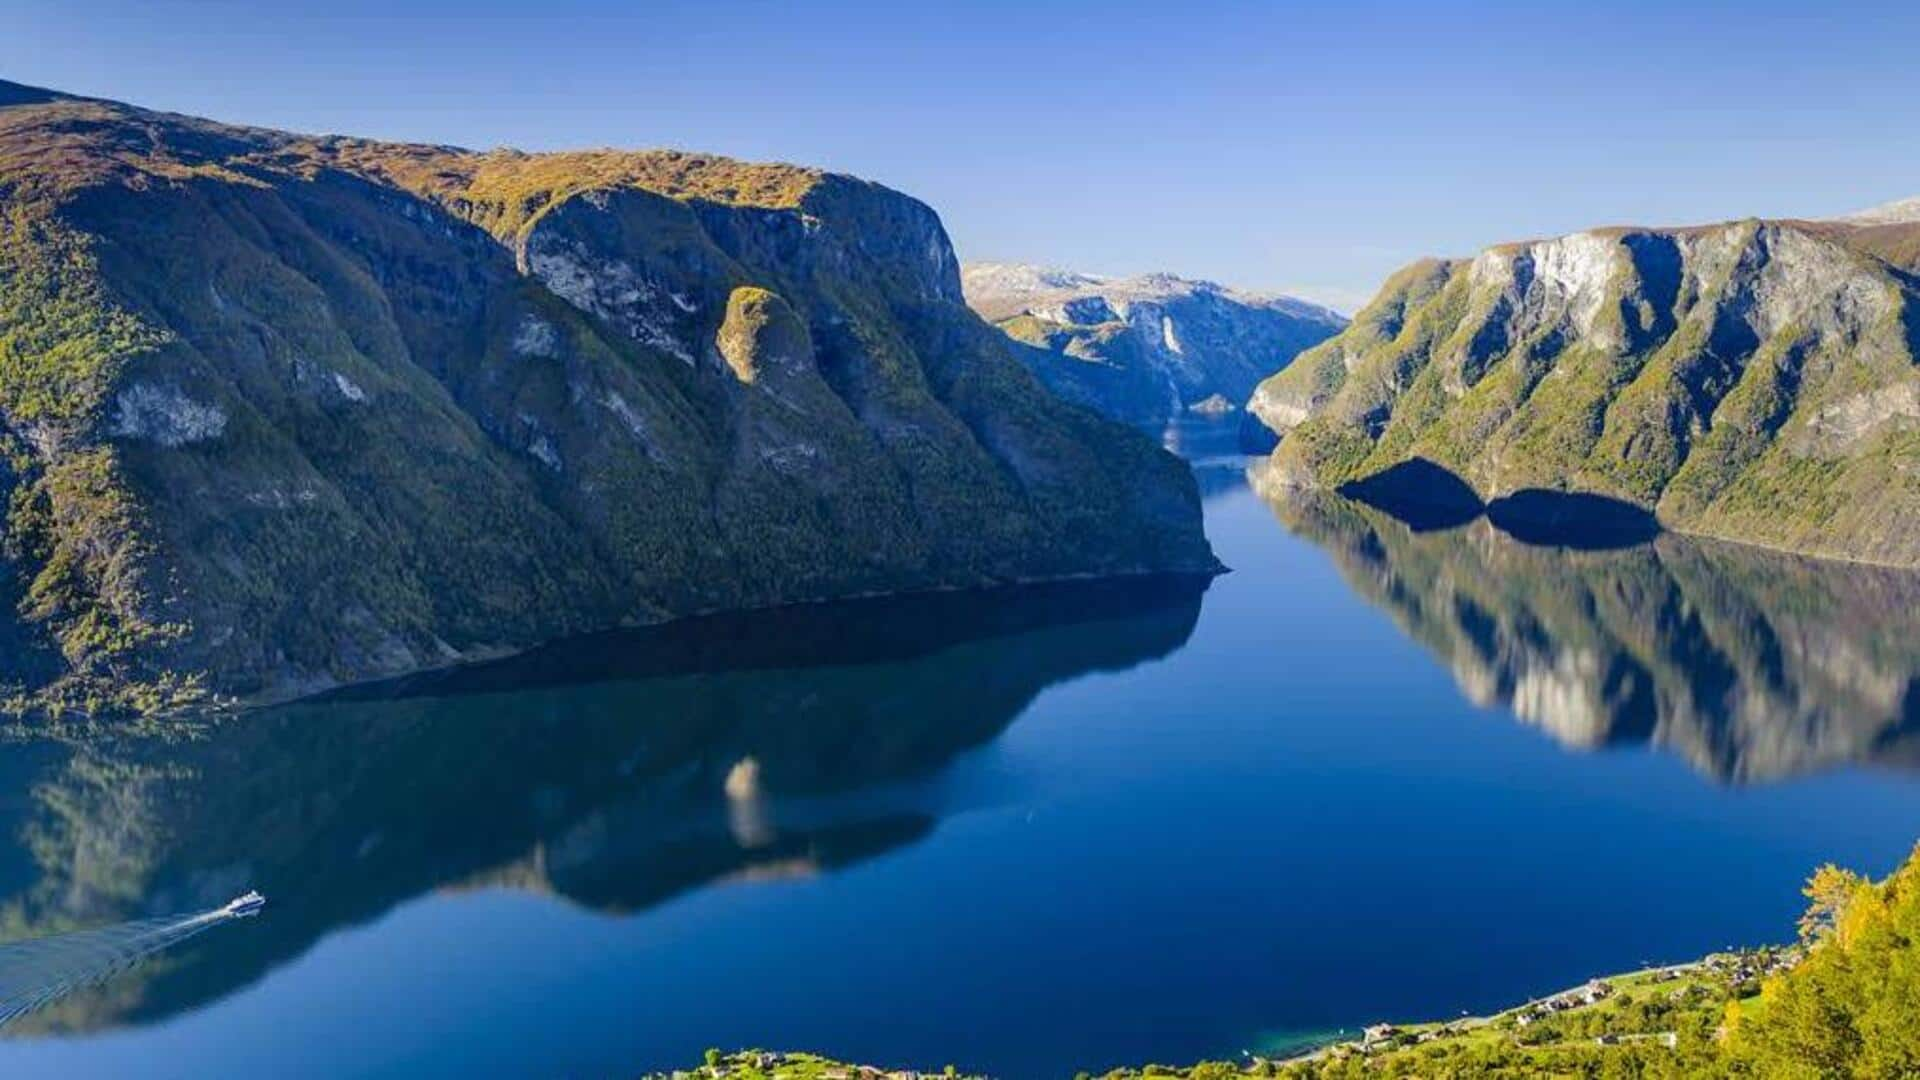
column 1897, row 212
column 1000, row 290
column 1754, row 380
column 1142, row 349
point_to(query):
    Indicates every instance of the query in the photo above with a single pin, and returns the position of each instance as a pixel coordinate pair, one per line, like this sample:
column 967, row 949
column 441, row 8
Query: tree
column 1849, row 1007
column 1828, row 893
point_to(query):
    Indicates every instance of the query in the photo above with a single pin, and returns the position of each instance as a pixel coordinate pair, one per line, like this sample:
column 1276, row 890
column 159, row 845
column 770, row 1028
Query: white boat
column 248, row 904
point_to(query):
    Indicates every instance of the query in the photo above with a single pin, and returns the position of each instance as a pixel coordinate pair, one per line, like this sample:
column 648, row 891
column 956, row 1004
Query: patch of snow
column 348, row 388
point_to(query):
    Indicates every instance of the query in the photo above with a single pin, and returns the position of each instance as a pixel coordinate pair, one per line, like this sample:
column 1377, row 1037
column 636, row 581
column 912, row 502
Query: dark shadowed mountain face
column 1757, row 381
column 1749, row 664
column 616, row 773
column 279, row 413
column 1145, row 349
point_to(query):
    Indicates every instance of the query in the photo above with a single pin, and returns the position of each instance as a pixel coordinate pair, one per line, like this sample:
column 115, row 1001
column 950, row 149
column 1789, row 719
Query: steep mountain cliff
column 1753, row 380
column 1141, row 349
column 283, row 412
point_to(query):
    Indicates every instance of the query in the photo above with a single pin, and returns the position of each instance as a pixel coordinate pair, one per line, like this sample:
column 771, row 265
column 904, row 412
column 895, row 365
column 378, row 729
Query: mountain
column 1897, row 212
column 1754, row 380
column 1142, row 349
column 282, row 412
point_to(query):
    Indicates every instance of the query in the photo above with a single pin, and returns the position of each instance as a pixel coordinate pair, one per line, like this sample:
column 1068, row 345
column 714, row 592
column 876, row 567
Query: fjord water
column 1371, row 773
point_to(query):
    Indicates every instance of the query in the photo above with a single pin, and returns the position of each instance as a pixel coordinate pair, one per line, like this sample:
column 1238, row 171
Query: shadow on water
column 1420, row 493
column 1571, row 519
column 1751, row 665
column 616, row 771
column 1426, row 496
column 883, row 629
column 1253, row 436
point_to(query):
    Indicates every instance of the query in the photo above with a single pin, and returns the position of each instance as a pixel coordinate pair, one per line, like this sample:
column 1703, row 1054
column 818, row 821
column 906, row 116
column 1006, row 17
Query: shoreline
column 1702, row 987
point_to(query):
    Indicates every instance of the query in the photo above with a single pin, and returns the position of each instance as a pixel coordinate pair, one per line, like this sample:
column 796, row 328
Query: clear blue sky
column 1311, row 148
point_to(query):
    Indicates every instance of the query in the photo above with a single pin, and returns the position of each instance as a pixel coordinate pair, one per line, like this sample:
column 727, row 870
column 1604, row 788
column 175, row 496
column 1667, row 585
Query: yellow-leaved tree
column 1851, row 1008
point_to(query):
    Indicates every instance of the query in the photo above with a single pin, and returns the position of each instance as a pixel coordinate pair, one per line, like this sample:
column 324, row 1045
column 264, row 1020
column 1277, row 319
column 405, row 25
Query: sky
column 1310, row 149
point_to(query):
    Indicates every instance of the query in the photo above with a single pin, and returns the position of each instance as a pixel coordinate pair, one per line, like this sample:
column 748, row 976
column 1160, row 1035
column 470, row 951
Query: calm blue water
column 1369, row 774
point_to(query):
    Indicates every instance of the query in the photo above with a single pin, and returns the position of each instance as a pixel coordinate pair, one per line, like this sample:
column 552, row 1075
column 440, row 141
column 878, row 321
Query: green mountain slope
column 283, row 412
column 1753, row 380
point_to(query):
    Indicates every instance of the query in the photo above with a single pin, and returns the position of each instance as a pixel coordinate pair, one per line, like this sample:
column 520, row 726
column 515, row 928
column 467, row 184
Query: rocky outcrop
column 1143, row 349
column 281, row 413
column 1755, row 381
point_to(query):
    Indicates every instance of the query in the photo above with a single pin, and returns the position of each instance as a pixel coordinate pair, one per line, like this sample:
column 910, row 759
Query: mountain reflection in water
column 1751, row 665
column 774, row 743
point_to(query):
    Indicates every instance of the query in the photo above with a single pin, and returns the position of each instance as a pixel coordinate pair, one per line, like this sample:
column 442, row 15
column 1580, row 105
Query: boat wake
column 38, row 971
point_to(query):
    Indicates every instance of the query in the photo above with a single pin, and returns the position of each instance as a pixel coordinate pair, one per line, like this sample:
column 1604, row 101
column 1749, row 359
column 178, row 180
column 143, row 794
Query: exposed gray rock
column 1143, row 349
column 1753, row 380
column 536, row 337
column 165, row 415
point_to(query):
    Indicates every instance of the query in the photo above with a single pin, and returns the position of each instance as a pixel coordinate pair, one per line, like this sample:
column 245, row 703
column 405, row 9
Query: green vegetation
column 769, row 1065
column 1841, row 1004
column 62, row 339
column 1758, row 381
column 1103, row 367
column 279, row 413
column 1844, row 1009
column 1849, row 1009
column 758, row 327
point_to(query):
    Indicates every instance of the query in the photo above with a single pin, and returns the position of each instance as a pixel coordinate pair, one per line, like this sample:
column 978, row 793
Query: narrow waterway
column 1371, row 773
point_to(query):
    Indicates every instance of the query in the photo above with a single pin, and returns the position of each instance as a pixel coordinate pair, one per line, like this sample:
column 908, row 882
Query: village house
column 1378, row 1034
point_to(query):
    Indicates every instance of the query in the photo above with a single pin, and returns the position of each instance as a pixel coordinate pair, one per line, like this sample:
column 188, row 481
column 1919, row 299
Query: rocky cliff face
column 1755, row 380
column 283, row 412
column 1142, row 349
